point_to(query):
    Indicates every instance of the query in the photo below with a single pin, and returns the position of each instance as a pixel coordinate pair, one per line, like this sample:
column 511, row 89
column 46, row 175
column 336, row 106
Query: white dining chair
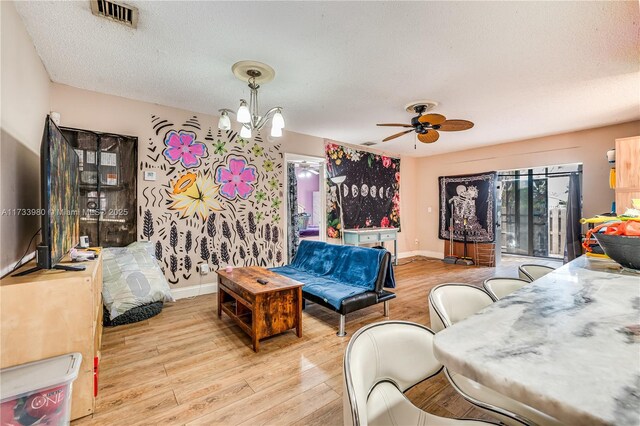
column 532, row 272
column 381, row 362
column 498, row 287
column 451, row 303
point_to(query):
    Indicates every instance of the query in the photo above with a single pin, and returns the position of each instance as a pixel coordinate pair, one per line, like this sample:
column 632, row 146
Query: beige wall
column 96, row 111
column 588, row 147
column 24, row 105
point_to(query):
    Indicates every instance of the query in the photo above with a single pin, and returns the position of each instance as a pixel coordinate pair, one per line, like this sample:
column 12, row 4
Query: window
column 533, row 210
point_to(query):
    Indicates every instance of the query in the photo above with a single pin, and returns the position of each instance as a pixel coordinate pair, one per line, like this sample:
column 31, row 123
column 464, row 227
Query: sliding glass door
column 533, row 210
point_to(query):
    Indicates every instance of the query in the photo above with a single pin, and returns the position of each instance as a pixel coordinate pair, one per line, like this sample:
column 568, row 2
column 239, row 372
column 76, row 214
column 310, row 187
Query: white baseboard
column 194, row 290
column 425, row 253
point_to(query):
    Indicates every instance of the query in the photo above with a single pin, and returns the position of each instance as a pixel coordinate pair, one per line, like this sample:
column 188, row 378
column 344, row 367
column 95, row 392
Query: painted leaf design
column 240, row 230
column 243, row 254
column 214, row 258
column 173, row 265
column 224, row 252
column 159, row 251
column 275, row 234
column 147, row 226
column 267, row 232
column 252, row 223
column 173, row 237
column 204, row 250
column 226, row 231
column 254, row 250
column 188, row 242
column 187, row 263
column 211, row 225
column 279, row 256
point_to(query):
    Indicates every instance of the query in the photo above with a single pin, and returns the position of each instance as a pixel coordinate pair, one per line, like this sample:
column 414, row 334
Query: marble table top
column 567, row 344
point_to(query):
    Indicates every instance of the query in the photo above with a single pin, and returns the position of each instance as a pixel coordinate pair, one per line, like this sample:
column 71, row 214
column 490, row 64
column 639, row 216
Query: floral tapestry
column 369, row 193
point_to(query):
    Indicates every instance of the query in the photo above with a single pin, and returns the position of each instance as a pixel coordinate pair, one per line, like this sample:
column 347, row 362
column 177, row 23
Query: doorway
column 533, row 210
column 305, row 200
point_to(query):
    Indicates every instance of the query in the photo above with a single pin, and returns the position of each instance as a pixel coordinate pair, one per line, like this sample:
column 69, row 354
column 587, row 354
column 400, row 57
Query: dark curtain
column 293, row 228
column 574, row 213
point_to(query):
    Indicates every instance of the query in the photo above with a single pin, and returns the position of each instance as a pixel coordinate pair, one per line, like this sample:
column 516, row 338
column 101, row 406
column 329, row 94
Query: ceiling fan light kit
column 426, row 126
column 253, row 73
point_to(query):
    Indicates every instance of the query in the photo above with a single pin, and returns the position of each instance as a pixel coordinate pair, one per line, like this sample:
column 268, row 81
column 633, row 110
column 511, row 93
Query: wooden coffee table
column 261, row 310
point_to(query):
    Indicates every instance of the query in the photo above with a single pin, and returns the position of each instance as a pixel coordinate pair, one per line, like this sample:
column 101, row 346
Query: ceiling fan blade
column 397, row 135
column 433, row 119
column 315, row 172
column 395, row 125
column 455, row 125
column 430, row 137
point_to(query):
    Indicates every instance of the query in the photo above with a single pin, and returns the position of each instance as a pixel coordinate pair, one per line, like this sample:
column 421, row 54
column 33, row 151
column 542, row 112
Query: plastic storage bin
column 38, row 393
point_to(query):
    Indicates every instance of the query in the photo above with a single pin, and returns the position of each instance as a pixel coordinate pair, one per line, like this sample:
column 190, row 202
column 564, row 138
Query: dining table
column 566, row 344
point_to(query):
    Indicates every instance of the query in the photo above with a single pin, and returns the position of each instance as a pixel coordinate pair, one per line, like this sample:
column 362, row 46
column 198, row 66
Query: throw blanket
column 336, row 272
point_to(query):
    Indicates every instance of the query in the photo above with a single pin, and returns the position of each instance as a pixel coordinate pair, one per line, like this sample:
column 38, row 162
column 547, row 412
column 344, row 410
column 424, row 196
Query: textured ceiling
column 516, row 69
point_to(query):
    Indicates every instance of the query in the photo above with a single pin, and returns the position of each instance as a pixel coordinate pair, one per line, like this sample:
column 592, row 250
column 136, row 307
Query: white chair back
column 531, row 272
column 399, row 352
column 453, row 302
column 501, row 287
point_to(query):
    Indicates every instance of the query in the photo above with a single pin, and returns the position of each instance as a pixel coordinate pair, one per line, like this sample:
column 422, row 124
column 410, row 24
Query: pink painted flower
column 386, row 162
column 384, row 223
column 236, row 179
column 182, row 146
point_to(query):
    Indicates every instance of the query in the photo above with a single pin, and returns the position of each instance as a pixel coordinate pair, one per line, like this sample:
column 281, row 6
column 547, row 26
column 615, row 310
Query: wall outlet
column 149, row 175
column 203, row 268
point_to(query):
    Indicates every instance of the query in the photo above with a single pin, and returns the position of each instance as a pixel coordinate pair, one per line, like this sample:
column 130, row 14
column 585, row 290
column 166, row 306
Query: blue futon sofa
column 342, row 278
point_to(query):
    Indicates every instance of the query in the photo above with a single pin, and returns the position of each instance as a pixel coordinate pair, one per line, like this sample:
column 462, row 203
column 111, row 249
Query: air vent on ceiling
column 369, row 143
column 118, row 12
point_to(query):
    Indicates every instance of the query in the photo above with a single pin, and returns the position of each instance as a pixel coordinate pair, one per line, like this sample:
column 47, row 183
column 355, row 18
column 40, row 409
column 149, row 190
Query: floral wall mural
column 216, row 199
column 370, row 192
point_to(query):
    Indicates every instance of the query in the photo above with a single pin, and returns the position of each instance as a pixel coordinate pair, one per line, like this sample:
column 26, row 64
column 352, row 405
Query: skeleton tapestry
column 468, row 203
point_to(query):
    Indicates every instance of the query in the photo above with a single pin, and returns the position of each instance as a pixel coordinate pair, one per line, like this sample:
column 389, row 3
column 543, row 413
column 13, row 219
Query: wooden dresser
column 627, row 172
column 52, row 312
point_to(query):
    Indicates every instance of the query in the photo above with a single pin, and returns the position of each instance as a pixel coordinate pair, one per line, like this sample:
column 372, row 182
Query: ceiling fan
column 427, row 125
column 307, row 167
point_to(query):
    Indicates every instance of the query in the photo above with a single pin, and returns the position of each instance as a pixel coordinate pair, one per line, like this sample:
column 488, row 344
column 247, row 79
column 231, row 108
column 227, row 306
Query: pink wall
column 306, row 187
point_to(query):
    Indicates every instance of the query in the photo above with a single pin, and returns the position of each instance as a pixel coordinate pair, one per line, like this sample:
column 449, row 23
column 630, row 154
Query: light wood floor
column 186, row 366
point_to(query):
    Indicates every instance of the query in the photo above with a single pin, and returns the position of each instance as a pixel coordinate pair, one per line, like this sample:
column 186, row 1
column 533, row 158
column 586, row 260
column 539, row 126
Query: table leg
column 395, row 250
column 220, row 302
column 299, row 314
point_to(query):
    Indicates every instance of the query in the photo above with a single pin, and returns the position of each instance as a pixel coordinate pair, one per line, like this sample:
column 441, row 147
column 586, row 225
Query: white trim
column 322, row 188
column 194, row 290
column 9, row 268
column 424, row 253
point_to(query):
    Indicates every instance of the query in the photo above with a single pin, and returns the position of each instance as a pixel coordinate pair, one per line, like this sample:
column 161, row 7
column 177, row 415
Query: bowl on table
column 624, row 250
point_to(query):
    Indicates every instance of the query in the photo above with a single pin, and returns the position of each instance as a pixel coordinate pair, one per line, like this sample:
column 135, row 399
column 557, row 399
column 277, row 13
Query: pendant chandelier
column 254, row 73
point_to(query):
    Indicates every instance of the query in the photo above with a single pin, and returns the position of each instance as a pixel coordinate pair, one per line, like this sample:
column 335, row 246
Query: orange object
column 628, row 228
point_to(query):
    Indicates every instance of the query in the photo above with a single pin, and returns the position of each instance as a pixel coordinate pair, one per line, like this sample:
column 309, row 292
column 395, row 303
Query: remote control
column 262, row 281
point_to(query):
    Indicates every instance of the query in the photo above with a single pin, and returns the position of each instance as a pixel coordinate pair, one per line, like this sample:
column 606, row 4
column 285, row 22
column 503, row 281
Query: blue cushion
column 333, row 272
column 355, row 266
column 331, row 291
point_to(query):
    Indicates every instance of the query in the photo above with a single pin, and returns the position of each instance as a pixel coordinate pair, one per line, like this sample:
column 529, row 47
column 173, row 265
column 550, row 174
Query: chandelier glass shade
column 247, row 113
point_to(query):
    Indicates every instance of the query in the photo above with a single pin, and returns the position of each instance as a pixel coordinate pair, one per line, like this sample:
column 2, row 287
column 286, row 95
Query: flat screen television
column 59, row 173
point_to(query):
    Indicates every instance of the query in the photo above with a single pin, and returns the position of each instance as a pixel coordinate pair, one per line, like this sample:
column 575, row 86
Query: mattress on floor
column 132, row 278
